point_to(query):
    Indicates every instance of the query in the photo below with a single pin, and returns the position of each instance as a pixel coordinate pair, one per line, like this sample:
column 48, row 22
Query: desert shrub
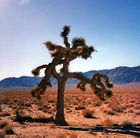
column 87, row 113
column 5, row 128
column 130, row 105
column 137, row 102
column 79, row 107
column 68, row 111
column 3, row 123
column 132, row 101
column 127, row 125
column 61, row 135
column 131, row 111
column 137, row 107
column 137, row 112
column 97, row 103
column 73, row 135
column 4, row 114
column 109, row 112
column 117, row 107
column 107, row 123
column 9, row 129
column 2, row 133
column 17, row 113
column 123, row 107
column 51, row 101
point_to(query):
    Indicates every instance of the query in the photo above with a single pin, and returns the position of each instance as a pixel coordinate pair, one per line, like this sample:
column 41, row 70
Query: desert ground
column 87, row 116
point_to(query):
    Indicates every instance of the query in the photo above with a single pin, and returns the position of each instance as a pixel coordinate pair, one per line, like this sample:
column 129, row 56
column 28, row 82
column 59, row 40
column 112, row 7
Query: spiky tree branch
column 64, row 34
column 36, row 71
column 64, row 56
column 98, row 87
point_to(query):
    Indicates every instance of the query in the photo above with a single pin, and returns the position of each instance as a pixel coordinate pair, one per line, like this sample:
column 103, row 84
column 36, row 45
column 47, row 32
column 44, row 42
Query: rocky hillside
column 118, row 75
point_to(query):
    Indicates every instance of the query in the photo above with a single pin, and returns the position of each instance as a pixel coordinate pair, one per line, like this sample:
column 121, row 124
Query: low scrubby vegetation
column 25, row 113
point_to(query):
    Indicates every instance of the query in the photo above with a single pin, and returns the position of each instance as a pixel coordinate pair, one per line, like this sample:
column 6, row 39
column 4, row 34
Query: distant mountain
column 21, row 82
column 118, row 75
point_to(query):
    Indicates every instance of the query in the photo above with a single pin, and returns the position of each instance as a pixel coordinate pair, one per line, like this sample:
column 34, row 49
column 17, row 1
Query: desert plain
column 23, row 116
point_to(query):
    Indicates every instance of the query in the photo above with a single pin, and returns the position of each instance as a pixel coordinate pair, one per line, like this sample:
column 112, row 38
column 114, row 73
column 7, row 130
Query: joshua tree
column 63, row 55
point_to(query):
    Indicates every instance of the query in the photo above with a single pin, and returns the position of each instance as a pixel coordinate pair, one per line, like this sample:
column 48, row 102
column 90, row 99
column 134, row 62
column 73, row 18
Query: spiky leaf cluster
column 85, row 53
column 109, row 84
column 50, row 46
column 37, row 93
column 67, row 52
column 81, row 85
column 65, row 31
column 34, row 94
column 99, row 88
column 76, row 42
column 109, row 93
column 35, row 72
column 100, row 94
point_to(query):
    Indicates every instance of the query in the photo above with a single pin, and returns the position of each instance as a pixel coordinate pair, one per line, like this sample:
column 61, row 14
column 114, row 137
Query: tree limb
column 79, row 77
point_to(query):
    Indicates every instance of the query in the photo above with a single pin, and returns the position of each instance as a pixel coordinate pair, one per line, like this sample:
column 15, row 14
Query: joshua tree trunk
column 60, row 118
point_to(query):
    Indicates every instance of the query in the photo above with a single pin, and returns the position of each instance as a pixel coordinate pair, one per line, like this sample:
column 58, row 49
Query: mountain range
column 118, row 75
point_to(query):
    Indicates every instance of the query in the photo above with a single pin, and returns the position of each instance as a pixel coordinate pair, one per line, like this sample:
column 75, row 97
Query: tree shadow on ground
column 91, row 117
column 134, row 131
column 21, row 120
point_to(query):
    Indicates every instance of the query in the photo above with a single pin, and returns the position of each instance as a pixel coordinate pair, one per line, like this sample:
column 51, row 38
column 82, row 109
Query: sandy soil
column 118, row 117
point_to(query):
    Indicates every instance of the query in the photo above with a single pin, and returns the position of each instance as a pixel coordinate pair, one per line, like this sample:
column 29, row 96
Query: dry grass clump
column 137, row 102
column 61, row 135
column 87, row 113
column 51, row 100
column 4, row 114
column 137, row 112
column 2, row 133
column 5, row 128
column 117, row 104
column 137, row 107
column 132, row 101
column 123, row 107
column 116, row 107
column 3, row 123
column 79, row 107
column 109, row 112
column 97, row 103
column 73, row 135
column 130, row 111
column 130, row 105
column 107, row 123
column 9, row 129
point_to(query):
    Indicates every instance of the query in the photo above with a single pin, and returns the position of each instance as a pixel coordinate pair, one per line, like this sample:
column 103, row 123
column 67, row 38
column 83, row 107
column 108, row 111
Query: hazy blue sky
column 111, row 26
